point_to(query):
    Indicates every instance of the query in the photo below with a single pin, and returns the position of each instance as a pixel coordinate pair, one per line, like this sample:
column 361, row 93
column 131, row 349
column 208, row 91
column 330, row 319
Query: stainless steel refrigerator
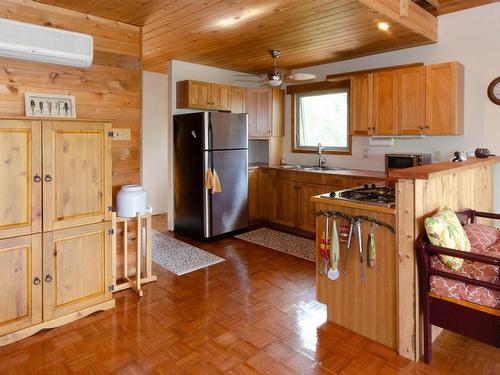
column 206, row 140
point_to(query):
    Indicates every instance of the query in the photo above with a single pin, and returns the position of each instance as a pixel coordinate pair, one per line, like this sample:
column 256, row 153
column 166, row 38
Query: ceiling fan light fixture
column 274, row 79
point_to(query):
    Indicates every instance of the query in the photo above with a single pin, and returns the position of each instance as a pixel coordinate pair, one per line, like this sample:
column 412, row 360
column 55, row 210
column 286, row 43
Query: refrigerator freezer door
column 227, row 211
column 228, row 131
column 188, row 174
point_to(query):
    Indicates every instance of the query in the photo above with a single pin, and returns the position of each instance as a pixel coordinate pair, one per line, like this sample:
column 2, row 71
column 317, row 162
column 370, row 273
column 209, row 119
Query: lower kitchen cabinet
column 267, row 182
column 253, row 194
column 285, row 203
column 306, row 219
column 76, row 269
column 21, row 285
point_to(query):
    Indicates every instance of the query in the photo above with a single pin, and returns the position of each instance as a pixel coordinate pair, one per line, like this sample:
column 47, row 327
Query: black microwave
column 399, row 161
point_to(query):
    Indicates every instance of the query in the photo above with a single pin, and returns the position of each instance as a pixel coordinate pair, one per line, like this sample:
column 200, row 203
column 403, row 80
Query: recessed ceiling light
column 384, row 26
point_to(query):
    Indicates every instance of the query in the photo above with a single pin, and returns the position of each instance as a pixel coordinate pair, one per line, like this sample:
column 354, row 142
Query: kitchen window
column 322, row 117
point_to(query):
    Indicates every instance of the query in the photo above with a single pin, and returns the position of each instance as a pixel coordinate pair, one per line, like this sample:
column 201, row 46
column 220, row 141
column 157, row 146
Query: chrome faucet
column 321, row 160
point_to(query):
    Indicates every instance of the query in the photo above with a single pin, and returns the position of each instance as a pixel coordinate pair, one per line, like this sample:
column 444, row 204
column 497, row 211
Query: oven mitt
column 208, row 179
column 216, row 185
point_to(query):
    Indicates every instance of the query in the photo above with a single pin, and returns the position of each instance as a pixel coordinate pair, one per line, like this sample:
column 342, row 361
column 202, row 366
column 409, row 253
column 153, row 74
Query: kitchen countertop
column 429, row 171
column 339, row 172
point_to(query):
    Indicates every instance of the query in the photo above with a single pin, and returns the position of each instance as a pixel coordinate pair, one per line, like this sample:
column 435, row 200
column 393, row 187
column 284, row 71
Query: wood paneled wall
column 109, row 90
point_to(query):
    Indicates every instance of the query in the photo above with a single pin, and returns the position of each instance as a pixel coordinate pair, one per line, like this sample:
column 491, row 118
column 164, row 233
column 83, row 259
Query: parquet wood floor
column 255, row 313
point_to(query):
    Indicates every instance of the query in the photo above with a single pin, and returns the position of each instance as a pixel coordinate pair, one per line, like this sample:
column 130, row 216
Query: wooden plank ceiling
column 237, row 34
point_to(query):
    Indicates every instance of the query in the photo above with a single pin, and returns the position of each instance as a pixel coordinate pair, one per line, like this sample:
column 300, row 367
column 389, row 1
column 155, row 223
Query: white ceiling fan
column 276, row 77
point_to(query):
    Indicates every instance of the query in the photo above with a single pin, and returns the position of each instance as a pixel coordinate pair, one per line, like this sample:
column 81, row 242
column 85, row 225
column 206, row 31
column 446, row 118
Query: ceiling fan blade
column 300, row 77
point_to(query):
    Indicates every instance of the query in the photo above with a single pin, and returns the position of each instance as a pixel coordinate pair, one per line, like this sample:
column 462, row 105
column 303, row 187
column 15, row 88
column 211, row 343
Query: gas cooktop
column 373, row 194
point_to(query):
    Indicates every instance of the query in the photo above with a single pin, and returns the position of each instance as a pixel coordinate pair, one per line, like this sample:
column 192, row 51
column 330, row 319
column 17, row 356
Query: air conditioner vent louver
column 24, row 41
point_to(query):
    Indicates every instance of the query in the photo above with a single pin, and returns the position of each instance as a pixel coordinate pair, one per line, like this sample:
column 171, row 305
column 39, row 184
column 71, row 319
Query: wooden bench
column 463, row 317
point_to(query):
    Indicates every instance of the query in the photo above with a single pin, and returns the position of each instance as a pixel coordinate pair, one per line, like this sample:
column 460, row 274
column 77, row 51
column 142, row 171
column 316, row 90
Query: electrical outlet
column 365, row 153
column 437, row 155
column 121, row 134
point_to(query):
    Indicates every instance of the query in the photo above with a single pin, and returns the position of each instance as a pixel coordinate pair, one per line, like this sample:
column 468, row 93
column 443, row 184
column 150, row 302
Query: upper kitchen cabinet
column 237, row 99
column 20, row 178
column 203, row 95
column 265, row 108
column 444, row 95
column 411, row 100
column 361, row 90
column 76, row 173
column 385, row 103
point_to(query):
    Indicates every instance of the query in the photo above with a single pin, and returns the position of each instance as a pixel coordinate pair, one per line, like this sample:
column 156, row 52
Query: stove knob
column 332, row 194
column 366, row 186
column 374, row 186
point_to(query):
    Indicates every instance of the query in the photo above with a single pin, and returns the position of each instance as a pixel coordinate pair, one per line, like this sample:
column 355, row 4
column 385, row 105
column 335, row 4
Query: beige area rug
column 284, row 242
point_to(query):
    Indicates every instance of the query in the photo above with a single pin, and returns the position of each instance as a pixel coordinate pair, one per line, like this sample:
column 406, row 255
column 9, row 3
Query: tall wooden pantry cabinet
column 55, row 211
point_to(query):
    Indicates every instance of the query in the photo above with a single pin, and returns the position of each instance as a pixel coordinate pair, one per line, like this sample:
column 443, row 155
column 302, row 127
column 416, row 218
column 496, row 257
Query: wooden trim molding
column 295, row 149
column 317, row 86
column 346, row 75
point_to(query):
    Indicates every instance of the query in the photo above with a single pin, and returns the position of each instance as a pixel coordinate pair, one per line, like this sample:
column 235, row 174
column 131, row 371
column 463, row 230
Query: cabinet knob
column 48, row 178
column 421, row 128
column 36, row 281
column 37, row 178
column 427, row 127
column 48, row 278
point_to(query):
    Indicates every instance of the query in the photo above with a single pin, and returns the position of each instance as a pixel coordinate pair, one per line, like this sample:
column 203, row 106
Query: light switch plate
column 121, row 134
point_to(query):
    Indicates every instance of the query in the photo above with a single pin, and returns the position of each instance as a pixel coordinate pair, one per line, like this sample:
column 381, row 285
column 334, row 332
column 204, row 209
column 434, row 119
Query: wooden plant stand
column 133, row 282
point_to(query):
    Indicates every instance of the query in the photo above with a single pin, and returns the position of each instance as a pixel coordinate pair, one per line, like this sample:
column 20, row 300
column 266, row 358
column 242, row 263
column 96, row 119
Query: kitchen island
column 386, row 307
column 366, row 307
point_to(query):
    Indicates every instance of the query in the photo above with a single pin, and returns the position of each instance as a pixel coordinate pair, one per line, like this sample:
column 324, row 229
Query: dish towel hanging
column 212, row 181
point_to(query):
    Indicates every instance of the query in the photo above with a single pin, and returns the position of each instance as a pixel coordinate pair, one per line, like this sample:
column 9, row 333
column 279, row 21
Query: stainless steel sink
column 306, row 168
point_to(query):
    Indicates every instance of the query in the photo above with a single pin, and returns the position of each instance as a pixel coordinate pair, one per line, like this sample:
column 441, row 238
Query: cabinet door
column 221, row 97
column 306, row 219
column 237, row 99
column 411, row 100
column 20, row 280
column 361, row 104
column 264, row 118
column 199, row 95
column 76, row 174
column 76, row 269
column 385, row 114
column 253, row 194
column 251, row 109
column 267, row 184
column 444, row 99
column 278, row 112
column 285, row 207
column 20, row 186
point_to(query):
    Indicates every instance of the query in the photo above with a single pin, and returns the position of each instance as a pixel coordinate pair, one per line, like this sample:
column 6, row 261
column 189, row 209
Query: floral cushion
column 484, row 239
column 444, row 230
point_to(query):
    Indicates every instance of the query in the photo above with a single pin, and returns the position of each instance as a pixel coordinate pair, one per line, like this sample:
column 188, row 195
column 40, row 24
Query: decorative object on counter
column 333, row 272
column 370, row 246
column 482, row 153
column 144, row 249
column 494, row 91
column 49, row 105
column 459, row 157
column 131, row 200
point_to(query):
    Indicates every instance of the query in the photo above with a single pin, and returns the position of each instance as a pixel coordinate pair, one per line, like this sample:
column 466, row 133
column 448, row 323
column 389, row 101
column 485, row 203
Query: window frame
column 295, row 148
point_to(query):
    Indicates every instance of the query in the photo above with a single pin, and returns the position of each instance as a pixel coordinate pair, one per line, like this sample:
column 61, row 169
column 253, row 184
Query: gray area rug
column 179, row 257
column 284, row 242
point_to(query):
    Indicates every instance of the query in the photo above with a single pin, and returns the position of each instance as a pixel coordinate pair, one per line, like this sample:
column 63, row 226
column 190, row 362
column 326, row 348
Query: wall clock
column 494, row 91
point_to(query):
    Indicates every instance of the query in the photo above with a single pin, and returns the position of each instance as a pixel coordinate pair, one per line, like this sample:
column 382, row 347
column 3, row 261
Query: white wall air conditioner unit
column 25, row 41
